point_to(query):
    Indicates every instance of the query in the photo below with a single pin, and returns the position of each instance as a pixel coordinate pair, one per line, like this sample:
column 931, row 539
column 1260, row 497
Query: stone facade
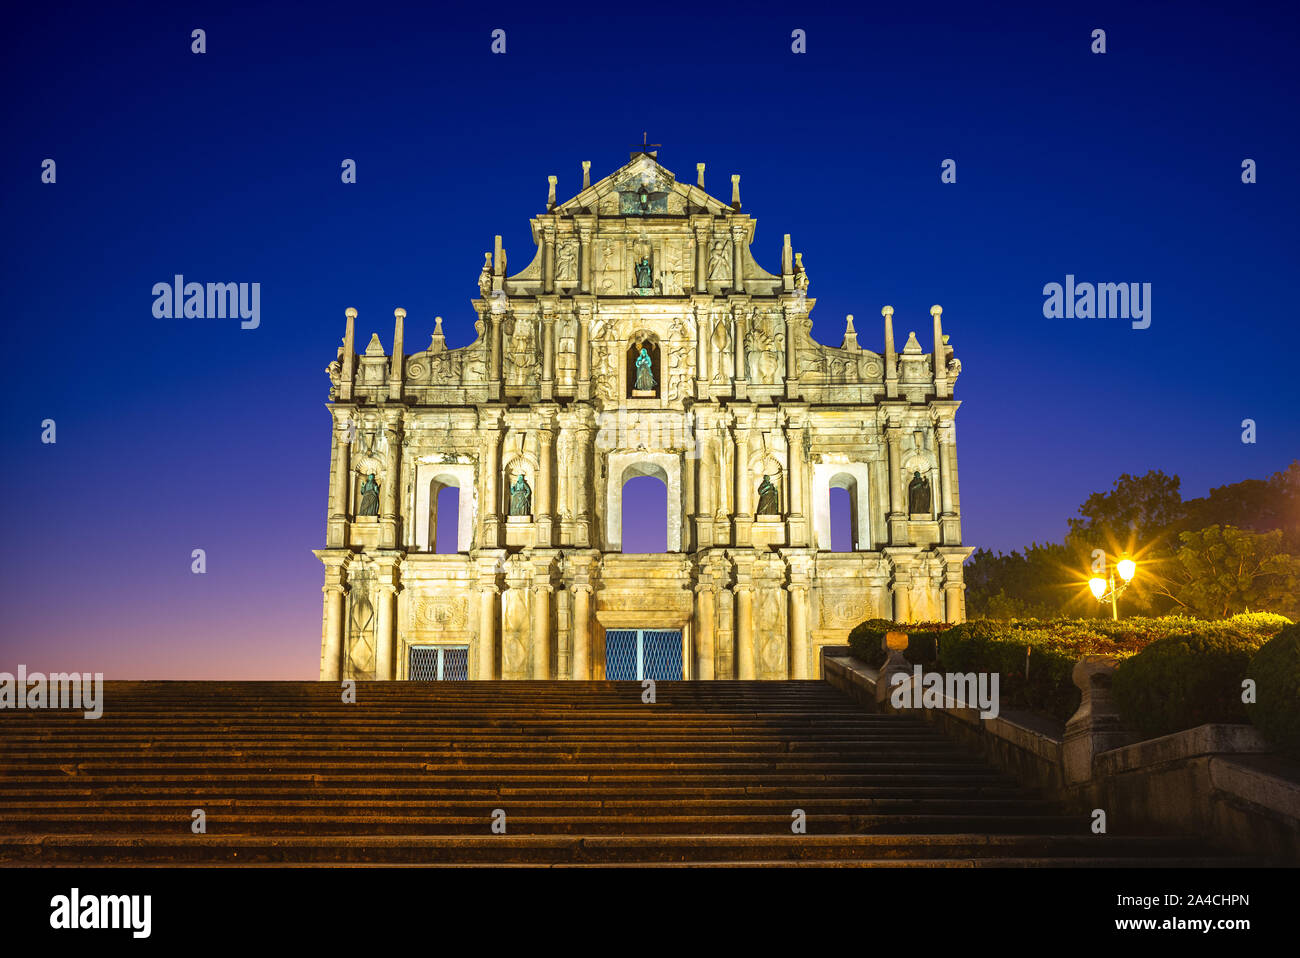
column 750, row 423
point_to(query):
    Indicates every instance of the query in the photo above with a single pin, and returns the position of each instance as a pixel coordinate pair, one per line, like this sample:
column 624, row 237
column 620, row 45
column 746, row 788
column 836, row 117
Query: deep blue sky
column 183, row 434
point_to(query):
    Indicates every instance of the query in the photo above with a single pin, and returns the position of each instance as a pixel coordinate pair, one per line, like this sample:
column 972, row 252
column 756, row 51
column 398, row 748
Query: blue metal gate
column 442, row 663
column 634, row 654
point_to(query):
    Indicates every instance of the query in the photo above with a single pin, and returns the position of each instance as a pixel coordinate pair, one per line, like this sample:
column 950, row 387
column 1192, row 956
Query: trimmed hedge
column 865, row 641
column 1035, row 659
column 1184, row 681
column 1276, row 671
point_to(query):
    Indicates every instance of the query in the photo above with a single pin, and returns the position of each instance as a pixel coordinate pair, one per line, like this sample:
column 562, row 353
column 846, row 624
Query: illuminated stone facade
column 749, row 422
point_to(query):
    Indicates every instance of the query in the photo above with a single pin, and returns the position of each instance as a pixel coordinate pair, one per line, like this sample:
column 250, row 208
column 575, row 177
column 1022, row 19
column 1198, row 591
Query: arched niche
column 430, row 479
column 623, row 466
column 853, row 477
column 650, row 341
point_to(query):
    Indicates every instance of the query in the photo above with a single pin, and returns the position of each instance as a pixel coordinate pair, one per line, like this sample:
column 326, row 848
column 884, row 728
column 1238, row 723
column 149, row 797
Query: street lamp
column 1103, row 589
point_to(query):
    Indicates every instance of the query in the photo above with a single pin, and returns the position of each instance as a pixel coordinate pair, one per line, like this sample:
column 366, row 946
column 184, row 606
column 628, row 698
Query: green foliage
column 1133, row 514
column 866, row 645
column 1146, row 517
column 1276, row 671
column 1224, row 570
column 1035, row 657
column 1184, row 681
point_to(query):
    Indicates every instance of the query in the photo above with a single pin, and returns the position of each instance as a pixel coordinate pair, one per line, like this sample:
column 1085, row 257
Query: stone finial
column 438, row 342
column 887, row 312
column 894, row 644
column 1096, row 727
column 891, row 356
column 699, row 175
column 550, row 191
column 787, row 255
column 500, row 254
column 735, row 191
column 936, row 311
column 399, row 313
column 437, row 325
column 350, row 313
column 850, row 334
column 586, row 173
column 374, row 347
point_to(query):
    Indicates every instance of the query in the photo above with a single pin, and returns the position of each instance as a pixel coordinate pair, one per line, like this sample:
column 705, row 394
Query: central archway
column 664, row 466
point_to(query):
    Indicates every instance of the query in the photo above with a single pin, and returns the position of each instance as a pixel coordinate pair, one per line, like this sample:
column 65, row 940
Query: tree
column 1135, row 514
column 1222, row 570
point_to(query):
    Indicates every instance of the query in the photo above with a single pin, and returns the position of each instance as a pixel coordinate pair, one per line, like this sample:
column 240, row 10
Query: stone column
column 704, row 623
column 541, row 631
column 742, row 469
column 544, row 507
column 548, row 351
column 548, row 259
column 738, row 258
column 902, row 603
column 581, row 475
column 334, row 589
column 791, row 350
column 582, row 632
column 489, row 424
column 798, row 630
column 584, row 351
column 338, row 521
column 392, row 481
column 487, row 638
column 891, row 356
column 386, row 630
column 702, row 231
column 794, row 444
column 940, row 367
column 348, row 369
column 740, row 328
column 585, row 256
column 945, row 474
column 745, row 662
column 703, row 335
column 898, row 534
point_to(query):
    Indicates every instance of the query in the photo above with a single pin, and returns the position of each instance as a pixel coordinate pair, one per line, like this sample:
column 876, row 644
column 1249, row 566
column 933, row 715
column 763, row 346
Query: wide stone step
column 601, row 823
column 554, row 849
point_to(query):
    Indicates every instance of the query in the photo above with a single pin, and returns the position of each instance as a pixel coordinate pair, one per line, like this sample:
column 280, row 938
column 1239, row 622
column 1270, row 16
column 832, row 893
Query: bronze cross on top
column 643, row 146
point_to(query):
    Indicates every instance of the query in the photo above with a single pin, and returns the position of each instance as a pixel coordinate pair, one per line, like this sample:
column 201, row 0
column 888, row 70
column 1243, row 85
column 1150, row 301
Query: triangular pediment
column 643, row 171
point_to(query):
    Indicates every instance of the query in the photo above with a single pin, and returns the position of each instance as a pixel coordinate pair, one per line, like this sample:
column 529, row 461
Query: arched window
column 843, row 521
column 645, row 515
column 446, row 536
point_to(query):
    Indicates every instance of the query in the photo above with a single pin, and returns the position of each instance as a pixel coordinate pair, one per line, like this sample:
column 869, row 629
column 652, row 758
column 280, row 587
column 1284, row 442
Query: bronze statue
column 918, row 495
column 521, row 497
column 643, row 277
column 769, row 500
column 644, row 376
column 369, row 497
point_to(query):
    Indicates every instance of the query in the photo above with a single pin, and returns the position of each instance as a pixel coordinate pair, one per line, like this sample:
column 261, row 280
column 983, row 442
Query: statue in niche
column 567, row 263
column 521, row 497
column 918, row 495
column 369, row 505
column 720, row 260
column 769, row 500
column 485, row 277
column 644, row 279
column 644, row 375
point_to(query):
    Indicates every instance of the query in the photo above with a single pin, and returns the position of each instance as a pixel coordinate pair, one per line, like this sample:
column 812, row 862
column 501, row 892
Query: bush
column 1184, row 681
column 865, row 641
column 1276, row 671
column 1033, row 673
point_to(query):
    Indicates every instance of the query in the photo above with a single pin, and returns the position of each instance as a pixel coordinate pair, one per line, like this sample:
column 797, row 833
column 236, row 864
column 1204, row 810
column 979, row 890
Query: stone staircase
column 286, row 773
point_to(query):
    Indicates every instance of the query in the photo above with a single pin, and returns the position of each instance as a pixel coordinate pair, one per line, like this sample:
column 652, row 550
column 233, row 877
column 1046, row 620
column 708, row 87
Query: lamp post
column 1104, row 589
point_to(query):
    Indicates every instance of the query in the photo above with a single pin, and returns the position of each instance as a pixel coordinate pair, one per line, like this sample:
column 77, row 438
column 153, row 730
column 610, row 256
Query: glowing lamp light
column 1097, row 585
column 1126, row 569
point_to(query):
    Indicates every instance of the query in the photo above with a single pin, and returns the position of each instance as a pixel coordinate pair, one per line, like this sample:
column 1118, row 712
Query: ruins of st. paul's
column 643, row 338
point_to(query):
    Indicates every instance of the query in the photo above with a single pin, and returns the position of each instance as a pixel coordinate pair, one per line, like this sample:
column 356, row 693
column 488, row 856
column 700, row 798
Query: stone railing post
column 894, row 645
column 1096, row 726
